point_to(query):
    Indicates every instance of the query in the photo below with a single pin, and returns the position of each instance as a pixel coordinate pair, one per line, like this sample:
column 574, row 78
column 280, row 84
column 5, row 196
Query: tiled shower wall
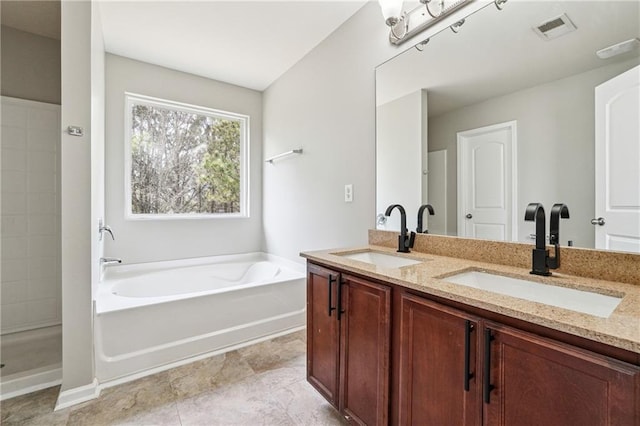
column 30, row 278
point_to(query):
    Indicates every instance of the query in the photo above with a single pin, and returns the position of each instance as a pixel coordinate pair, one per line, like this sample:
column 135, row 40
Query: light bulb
column 391, row 10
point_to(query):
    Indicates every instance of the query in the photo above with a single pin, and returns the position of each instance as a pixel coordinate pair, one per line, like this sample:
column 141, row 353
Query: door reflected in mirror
column 574, row 120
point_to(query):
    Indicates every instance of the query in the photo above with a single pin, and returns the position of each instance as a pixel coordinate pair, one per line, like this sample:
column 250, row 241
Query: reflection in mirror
column 516, row 107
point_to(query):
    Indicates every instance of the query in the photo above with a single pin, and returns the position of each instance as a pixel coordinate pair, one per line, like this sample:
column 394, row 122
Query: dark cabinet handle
column 487, row 387
column 331, row 281
column 468, row 328
column 340, row 310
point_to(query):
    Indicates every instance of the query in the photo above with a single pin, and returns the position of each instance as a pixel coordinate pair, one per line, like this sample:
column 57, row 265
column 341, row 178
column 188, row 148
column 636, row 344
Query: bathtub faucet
column 110, row 260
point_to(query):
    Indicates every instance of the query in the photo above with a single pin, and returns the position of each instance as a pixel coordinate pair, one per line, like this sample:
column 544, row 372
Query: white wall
column 97, row 140
column 30, row 66
column 555, row 147
column 326, row 105
column 77, row 333
column 151, row 240
column 399, row 157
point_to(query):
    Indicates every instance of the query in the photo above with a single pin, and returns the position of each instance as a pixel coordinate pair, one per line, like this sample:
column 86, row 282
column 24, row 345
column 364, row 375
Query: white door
column 486, row 182
column 617, row 221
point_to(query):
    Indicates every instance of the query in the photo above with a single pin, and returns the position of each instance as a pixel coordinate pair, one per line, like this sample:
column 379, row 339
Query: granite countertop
column 621, row 329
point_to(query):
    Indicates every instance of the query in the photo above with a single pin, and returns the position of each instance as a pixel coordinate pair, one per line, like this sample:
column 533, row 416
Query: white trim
column 131, row 377
column 461, row 191
column 77, row 395
column 29, row 381
column 131, row 98
column 30, row 103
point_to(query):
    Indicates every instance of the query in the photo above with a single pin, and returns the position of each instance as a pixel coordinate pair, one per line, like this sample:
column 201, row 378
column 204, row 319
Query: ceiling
column 246, row 43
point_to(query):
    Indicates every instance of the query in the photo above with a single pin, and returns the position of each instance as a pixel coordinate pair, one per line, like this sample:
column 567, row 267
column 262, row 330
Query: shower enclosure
column 30, row 247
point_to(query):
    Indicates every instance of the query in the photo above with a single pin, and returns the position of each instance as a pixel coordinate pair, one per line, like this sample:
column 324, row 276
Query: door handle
column 599, row 221
column 339, row 309
column 330, row 281
column 468, row 328
column 487, row 386
column 469, row 216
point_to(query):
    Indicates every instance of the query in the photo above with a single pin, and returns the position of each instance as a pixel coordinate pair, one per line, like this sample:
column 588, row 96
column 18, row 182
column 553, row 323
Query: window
column 183, row 160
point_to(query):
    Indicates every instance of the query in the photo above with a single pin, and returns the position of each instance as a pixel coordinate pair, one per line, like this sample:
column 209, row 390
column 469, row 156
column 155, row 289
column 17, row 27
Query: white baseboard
column 77, row 395
column 31, row 381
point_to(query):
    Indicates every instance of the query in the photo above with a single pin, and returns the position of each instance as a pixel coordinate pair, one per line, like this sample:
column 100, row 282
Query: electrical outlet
column 348, row 193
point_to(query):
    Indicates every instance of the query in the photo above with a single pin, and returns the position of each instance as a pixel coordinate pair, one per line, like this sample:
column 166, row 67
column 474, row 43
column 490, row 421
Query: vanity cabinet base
column 348, row 341
column 453, row 364
column 537, row 381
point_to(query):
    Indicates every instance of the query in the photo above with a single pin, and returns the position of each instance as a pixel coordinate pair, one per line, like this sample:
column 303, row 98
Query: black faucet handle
column 412, row 239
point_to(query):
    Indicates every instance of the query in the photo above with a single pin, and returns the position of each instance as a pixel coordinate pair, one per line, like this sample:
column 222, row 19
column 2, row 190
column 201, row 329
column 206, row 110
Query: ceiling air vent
column 554, row 28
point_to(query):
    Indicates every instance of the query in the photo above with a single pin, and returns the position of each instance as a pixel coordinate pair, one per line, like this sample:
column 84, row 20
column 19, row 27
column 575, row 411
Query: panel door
column 618, row 163
column 322, row 332
column 439, row 385
column 366, row 334
column 537, row 381
column 486, row 193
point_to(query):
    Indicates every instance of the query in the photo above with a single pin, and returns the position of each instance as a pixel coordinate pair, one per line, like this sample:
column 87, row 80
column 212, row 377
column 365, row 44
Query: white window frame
column 133, row 98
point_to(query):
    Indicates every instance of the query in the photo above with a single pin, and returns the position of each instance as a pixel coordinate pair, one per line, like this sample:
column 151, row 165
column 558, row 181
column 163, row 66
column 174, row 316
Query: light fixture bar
column 417, row 20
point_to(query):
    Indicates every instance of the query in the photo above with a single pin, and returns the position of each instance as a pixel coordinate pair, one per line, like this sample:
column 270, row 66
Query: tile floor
column 263, row 384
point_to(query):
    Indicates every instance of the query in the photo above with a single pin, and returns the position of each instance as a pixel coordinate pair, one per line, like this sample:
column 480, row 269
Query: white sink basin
column 381, row 259
column 586, row 302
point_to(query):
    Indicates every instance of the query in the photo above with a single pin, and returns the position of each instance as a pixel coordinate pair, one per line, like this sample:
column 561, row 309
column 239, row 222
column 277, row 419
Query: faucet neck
column 404, row 242
column 421, row 210
column 535, row 212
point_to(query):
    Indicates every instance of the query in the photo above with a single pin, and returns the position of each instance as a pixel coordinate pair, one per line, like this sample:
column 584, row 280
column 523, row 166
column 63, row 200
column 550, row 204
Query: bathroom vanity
column 402, row 344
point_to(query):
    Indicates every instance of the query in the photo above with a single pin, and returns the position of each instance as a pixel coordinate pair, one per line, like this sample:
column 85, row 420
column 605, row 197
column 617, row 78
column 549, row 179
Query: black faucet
column 535, row 212
column 404, row 242
column 558, row 211
column 420, row 214
column 541, row 261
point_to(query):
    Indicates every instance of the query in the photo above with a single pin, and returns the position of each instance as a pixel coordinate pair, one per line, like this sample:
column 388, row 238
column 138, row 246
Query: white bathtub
column 155, row 315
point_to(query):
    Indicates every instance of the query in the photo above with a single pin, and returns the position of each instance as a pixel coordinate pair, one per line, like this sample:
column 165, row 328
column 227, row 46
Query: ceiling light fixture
column 405, row 25
column 618, row 49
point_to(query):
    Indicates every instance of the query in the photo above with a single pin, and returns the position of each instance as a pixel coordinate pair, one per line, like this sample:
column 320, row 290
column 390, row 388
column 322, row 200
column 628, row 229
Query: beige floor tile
column 282, row 377
column 305, row 405
column 272, row 354
column 262, row 384
column 208, row 374
column 22, row 408
column 298, row 335
column 56, row 418
column 243, row 403
column 149, row 400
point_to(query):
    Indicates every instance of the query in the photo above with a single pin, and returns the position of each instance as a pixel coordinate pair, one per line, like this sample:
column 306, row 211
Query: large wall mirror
column 514, row 107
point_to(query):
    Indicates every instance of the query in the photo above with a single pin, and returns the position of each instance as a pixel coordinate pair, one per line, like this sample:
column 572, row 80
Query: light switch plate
column 348, row 193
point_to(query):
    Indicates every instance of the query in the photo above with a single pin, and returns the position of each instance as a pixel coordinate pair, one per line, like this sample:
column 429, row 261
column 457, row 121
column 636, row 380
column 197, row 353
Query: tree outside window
column 184, row 160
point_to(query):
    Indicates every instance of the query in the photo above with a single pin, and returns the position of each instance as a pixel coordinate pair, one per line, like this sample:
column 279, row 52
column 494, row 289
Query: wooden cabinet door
column 365, row 339
column 537, row 381
column 322, row 331
column 439, row 384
